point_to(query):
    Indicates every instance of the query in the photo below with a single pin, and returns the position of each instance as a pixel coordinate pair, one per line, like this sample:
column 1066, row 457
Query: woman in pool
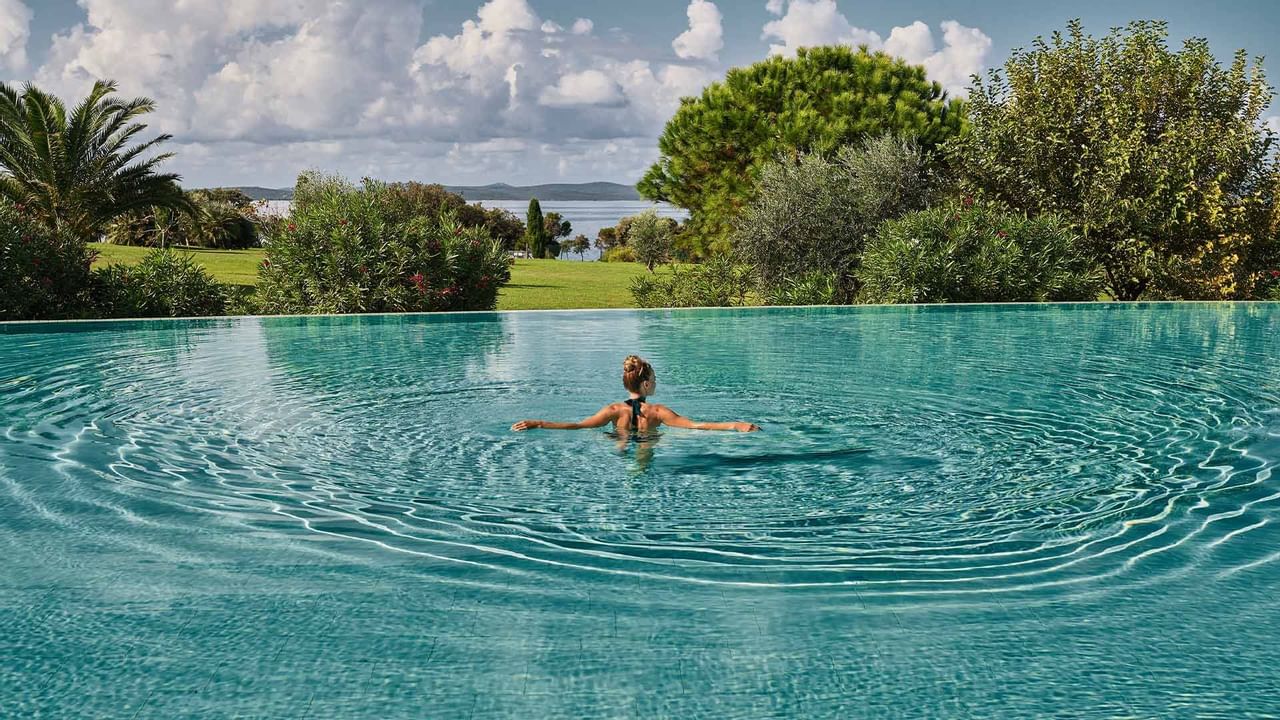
column 634, row 415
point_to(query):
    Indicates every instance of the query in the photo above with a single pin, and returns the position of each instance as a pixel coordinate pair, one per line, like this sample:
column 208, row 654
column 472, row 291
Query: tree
column 76, row 172
column 580, row 245
column 812, row 214
column 535, row 236
column 713, row 149
column 557, row 226
column 1157, row 157
column 650, row 237
column 606, row 239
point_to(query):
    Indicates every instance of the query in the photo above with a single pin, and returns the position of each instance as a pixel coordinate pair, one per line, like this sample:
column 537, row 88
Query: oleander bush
column 44, row 273
column 349, row 249
column 974, row 252
column 166, row 283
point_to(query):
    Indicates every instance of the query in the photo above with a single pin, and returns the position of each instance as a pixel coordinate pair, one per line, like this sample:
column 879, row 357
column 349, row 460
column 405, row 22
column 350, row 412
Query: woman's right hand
column 746, row 427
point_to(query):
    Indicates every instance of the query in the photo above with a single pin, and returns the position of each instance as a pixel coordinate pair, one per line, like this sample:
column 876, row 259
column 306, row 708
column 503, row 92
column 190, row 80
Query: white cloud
column 590, row 87
column 705, row 37
column 807, row 23
column 963, row 54
column 15, row 28
column 502, row 16
column 257, row 90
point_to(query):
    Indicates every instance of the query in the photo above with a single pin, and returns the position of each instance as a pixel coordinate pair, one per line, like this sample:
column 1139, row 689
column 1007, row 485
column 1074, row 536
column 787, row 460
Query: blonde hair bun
column 635, row 371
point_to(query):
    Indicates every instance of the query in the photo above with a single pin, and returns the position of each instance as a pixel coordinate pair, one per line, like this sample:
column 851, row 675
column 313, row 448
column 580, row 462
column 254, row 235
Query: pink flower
column 968, row 201
column 342, row 222
column 266, row 263
column 419, row 281
column 1275, row 273
column 292, row 227
column 1002, row 234
column 364, row 270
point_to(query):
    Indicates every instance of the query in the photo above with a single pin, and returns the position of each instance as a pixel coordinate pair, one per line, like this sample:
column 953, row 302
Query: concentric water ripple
column 970, row 472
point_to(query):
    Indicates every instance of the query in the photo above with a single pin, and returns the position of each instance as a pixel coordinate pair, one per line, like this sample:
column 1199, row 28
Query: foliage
column 975, row 252
column 619, row 253
column 557, row 227
column 650, row 237
column 44, row 273
column 714, row 149
column 76, row 171
column 579, row 245
column 216, row 219
column 1156, row 156
column 813, row 288
column 432, row 200
column 535, row 233
column 1268, row 285
column 347, row 249
column 167, row 283
column 812, row 214
column 719, row 282
column 606, row 239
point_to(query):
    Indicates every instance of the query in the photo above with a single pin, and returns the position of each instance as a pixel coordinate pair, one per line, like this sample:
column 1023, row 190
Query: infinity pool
column 952, row 512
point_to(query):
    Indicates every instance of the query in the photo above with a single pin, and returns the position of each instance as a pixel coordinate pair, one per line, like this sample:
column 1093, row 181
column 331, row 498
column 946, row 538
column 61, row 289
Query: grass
column 234, row 267
column 535, row 284
column 569, row 284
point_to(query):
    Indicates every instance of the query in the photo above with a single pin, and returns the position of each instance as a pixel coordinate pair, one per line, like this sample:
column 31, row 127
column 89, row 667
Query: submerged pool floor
column 980, row 511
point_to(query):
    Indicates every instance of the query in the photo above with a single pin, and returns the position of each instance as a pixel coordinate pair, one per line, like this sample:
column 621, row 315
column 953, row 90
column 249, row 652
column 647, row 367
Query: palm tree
column 77, row 173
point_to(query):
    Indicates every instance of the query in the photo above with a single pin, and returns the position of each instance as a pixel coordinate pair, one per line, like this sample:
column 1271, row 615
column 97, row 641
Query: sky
column 517, row 91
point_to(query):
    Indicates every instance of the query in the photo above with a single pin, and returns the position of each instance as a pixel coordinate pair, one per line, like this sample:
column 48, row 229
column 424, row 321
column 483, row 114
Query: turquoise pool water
column 953, row 512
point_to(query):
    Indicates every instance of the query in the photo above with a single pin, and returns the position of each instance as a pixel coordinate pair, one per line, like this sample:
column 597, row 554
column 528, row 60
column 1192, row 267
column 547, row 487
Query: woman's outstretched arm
column 674, row 419
column 600, row 419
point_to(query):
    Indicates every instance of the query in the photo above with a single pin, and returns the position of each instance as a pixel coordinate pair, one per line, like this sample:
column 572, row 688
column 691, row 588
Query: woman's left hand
column 526, row 425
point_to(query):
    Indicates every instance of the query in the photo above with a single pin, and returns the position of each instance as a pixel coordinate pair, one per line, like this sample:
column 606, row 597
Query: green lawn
column 235, row 267
column 535, row 284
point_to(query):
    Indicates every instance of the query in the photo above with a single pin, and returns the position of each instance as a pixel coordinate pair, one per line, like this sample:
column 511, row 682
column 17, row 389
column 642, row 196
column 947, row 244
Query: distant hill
column 500, row 191
column 261, row 193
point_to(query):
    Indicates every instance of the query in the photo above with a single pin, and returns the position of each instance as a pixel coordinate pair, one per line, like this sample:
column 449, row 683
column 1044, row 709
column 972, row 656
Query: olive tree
column 650, row 237
column 812, row 214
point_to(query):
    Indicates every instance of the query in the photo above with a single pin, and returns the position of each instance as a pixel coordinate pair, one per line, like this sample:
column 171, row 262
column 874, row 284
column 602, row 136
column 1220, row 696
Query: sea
column 588, row 217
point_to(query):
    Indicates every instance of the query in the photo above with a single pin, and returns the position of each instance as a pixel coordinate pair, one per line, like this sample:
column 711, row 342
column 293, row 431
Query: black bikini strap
column 636, row 409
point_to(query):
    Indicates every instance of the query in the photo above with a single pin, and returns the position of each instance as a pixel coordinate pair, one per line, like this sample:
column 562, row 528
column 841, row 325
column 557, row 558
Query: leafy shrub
column 619, row 253
column 223, row 219
column 166, row 283
column 404, row 201
column 1157, row 155
column 719, row 282
column 816, row 288
column 812, row 214
column 977, row 253
column 347, row 249
column 44, row 274
column 1268, row 286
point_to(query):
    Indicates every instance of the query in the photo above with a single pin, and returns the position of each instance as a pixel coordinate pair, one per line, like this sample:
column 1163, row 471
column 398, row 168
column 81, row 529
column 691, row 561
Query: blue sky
column 467, row 91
